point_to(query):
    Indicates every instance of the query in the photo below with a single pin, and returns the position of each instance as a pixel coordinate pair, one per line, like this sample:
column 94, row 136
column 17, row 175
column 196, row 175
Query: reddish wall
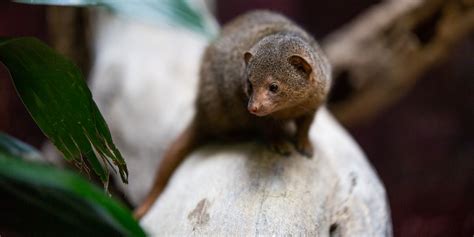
column 422, row 147
column 19, row 20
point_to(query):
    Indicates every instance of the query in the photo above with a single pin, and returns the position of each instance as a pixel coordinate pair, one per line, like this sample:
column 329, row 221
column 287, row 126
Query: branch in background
column 386, row 49
column 69, row 32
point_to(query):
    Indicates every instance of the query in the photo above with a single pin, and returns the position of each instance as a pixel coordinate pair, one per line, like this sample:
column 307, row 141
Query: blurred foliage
column 15, row 147
column 56, row 202
column 174, row 12
column 58, row 99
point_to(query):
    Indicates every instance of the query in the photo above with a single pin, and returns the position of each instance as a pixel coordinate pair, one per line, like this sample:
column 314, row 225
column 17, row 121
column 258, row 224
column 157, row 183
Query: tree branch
column 386, row 49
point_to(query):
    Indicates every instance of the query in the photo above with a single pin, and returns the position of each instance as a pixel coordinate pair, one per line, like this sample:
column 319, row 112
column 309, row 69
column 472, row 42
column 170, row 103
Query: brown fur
column 253, row 52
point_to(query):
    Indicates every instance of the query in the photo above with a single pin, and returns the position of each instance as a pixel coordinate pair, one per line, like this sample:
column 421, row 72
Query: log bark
column 383, row 52
column 247, row 190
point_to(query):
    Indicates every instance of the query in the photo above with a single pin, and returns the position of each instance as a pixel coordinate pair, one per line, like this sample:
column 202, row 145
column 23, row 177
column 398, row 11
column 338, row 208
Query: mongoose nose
column 253, row 109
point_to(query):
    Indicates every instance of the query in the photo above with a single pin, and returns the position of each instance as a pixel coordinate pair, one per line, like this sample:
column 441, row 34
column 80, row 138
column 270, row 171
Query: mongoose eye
column 273, row 87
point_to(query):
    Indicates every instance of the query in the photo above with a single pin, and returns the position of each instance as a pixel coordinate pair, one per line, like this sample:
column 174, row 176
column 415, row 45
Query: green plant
column 174, row 12
column 54, row 92
column 58, row 99
column 59, row 202
column 46, row 193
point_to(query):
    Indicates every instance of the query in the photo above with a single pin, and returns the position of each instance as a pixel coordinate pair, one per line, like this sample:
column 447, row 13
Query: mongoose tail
column 186, row 142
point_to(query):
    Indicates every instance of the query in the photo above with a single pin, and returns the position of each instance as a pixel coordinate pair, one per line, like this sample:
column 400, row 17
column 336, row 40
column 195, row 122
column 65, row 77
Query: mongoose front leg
column 274, row 135
column 303, row 143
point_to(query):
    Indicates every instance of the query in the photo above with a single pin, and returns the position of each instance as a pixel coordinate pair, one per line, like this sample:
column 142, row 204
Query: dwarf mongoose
column 262, row 73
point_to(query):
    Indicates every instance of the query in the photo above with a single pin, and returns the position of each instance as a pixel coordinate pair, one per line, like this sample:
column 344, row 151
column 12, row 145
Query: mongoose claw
column 282, row 147
column 305, row 148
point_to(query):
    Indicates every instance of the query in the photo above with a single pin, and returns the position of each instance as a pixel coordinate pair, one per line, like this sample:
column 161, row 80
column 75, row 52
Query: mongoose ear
column 300, row 63
column 247, row 56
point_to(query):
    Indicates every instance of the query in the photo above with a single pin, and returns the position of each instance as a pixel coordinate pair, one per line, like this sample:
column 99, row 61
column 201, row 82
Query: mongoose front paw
column 305, row 148
column 282, row 147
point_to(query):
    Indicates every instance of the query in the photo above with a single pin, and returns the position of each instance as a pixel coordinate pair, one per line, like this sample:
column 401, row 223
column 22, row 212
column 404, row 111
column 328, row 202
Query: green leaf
column 16, row 147
column 58, row 99
column 180, row 12
column 55, row 202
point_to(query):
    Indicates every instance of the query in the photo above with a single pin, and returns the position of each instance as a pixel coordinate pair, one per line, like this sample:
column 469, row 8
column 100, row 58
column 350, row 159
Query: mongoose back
column 262, row 73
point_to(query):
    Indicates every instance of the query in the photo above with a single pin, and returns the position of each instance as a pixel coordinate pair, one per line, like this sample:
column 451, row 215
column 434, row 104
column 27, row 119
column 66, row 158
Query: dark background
column 422, row 147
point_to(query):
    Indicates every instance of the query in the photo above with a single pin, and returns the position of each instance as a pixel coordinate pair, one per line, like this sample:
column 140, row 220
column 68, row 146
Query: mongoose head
column 282, row 71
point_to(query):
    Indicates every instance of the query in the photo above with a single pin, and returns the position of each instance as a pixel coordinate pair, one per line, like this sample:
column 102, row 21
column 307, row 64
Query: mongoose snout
column 261, row 103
